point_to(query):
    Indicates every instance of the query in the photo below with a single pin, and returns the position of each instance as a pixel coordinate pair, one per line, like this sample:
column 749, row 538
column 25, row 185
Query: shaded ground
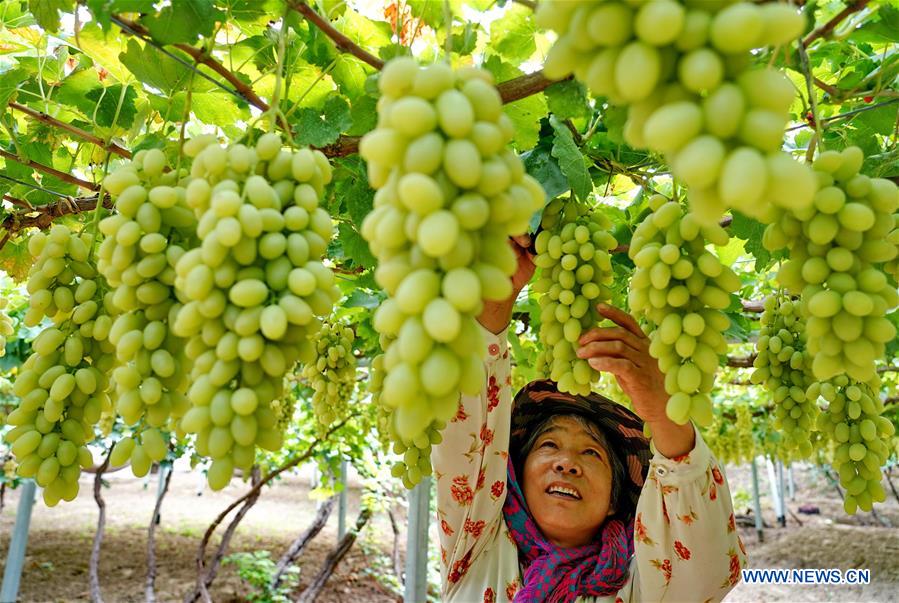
column 60, row 542
column 56, row 567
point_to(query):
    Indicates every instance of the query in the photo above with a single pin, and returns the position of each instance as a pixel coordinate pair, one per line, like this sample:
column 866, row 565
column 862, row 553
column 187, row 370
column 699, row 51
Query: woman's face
column 568, row 483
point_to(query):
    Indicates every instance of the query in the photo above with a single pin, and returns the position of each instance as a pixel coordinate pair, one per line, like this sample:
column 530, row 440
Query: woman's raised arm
column 470, row 463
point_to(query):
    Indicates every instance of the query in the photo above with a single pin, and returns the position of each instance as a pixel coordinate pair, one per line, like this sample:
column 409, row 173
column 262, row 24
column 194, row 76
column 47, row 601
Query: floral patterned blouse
column 686, row 544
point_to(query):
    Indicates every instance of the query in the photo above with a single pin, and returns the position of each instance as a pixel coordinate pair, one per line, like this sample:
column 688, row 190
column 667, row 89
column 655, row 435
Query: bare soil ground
column 60, row 542
column 56, row 565
column 829, row 540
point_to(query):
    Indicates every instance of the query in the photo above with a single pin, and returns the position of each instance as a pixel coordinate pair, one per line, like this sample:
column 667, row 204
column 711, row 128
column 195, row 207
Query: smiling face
column 568, row 483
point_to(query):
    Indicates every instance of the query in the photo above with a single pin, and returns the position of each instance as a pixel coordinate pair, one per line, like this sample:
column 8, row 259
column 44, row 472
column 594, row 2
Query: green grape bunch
column 332, row 373
column 837, row 250
column 63, row 385
column 449, row 195
column 682, row 289
column 782, row 365
column 575, row 274
column 854, row 422
column 151, row 229
column 415, row 453
column 252, row 293
column 6, row 326
column 683, row 70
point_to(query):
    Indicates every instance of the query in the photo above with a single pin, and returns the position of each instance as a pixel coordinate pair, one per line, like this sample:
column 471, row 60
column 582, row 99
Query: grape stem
column 96, row 596
column 812, row 98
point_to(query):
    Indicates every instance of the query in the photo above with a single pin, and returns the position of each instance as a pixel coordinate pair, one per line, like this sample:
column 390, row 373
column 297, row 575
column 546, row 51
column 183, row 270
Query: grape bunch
column 782, row 364
column 837, row 249
column 682, row 288
column 63, row 385
column 6, row 326
column 683, row 71
column 892, row 266
column 854, row 423
column 415, row 452
column 252, row 291
column 332, row 373
column 449, row 195
column 151, row 230
column 730, row 438
column 575, row 274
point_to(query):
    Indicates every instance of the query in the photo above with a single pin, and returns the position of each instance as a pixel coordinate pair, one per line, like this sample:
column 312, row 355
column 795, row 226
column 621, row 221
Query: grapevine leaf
column 512, row 35
column 567, row 100
column 571, row 160
column 751, row 231
column 357, row 196
column 364, row 114
column 540, row 163
column 355, row 248
column 320, row 128
column 466, row 40
column 46, row 12
column 183, row 21
column 102, row 10
column 525, row 113
column 106, row 50
column 154, row 68
column 216, row 107
column 9, row 81
column 15, row 259
column 107, row 100
column 883, row 29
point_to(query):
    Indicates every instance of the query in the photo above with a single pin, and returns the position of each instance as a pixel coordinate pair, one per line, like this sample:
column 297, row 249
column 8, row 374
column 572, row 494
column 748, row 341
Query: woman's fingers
column 620, row 317
column 613, row 333
column 620, row 367
column 615, row 348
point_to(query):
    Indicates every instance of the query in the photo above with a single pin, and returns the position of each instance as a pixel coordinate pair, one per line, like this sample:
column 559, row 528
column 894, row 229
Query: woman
column 544, row 499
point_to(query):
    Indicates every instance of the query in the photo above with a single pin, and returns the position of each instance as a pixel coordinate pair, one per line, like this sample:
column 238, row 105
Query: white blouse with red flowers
column 686, row 544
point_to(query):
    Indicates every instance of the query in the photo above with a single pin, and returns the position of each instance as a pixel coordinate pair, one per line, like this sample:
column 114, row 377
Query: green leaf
column 15, row 259
column 154, row 68
column 751, row 231
column 107, row 99
column 46, row 12
column 352, row 188
column 102, row 10
column 525, row 113
column 320, row 128
column 9, row 81
column 568, row 100
column 540, row 163
column 183, row 21
column 103, row 49
column 364, row 114
column 355, row 248
column 513, row 35
column 466, row 40
column 217, row 107
column 884, row 27
column 571, row 160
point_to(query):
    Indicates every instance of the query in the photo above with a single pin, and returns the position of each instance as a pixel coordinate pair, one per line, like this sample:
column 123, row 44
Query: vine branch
column 46, row 169
column 78, row 132
column 241, row 89
column 43, row 216
column 342, row 42
column 826, row 29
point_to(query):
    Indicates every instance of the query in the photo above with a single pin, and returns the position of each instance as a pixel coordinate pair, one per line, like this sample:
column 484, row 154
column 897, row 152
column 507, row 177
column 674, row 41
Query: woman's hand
column 623, row 350
column 496, row 315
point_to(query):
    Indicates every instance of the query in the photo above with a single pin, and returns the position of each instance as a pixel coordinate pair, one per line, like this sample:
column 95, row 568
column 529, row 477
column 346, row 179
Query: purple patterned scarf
column 556, row 574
